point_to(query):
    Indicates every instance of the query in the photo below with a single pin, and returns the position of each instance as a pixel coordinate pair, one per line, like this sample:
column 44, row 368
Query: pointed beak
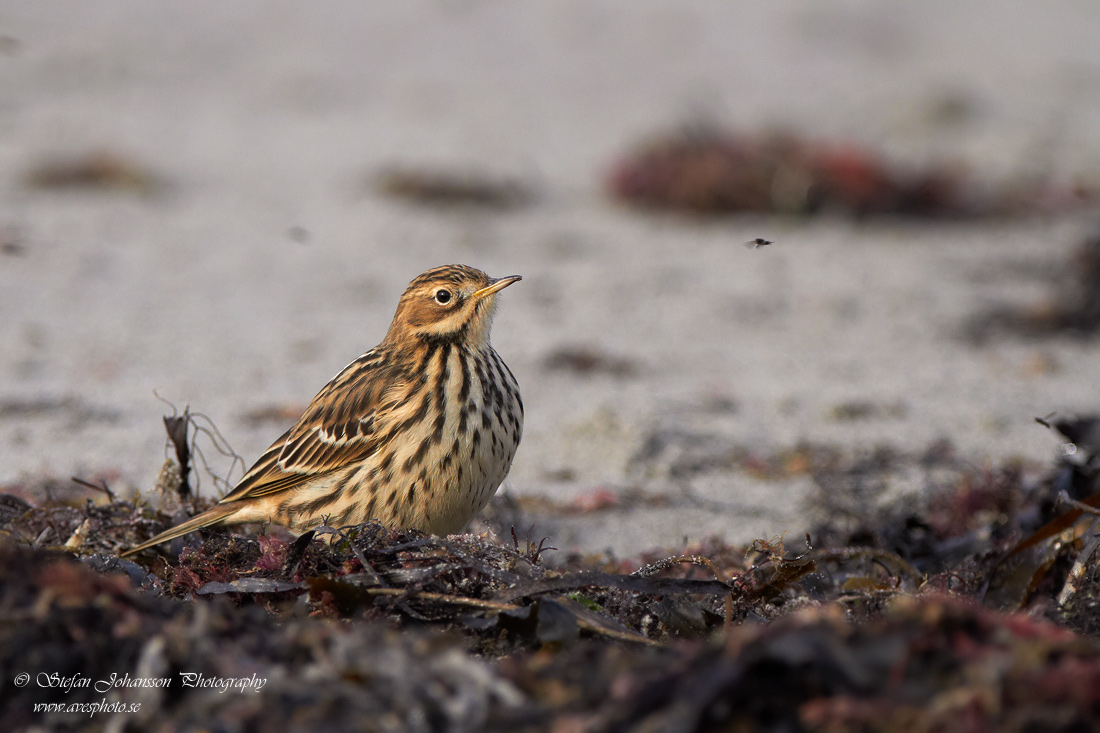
column 494, row 285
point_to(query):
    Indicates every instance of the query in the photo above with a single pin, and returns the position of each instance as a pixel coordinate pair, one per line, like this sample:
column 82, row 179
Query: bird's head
column 449, row 302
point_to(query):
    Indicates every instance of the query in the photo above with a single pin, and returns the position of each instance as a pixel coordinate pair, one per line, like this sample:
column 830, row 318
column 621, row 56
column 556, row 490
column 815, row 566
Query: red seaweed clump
column 710, row 172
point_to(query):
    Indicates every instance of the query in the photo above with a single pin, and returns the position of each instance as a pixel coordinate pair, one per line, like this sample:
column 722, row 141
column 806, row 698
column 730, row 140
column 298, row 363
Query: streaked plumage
column 418, row 432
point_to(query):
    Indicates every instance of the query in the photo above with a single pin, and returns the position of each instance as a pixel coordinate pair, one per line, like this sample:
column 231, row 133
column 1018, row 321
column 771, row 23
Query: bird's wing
column 340, row 427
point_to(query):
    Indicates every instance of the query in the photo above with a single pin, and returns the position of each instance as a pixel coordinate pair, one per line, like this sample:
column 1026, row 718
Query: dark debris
column 452, row 188
column 1072, row 308
column 707, row 171
column 587, row 361
column 979, row 604
column 94, row 170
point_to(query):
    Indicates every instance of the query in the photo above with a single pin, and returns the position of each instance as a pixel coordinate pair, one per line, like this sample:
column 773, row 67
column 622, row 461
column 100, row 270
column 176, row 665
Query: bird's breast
column 453, row 437
column 482, row 426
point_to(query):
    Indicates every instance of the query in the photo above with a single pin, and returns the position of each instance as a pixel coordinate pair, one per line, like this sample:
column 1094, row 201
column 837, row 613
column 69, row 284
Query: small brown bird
column 418, row 432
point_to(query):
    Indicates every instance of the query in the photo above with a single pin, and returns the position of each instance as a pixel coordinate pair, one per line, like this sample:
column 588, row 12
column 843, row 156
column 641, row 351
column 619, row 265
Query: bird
column 418, row 432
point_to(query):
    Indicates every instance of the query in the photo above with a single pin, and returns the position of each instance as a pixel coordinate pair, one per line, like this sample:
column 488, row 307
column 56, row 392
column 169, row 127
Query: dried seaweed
column 450, row 188
column 884, row 617
column 587, row 361
column 101, row 169
column 707, row 171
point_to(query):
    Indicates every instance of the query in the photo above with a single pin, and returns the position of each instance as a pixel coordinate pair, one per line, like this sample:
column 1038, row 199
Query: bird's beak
column 494, row 285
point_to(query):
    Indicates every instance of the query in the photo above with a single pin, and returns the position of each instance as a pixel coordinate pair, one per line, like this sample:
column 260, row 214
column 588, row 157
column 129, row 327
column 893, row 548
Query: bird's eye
column 442, row 296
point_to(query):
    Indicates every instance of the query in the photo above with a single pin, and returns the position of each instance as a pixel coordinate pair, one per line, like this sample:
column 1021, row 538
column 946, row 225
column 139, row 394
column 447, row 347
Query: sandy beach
column 255, row 256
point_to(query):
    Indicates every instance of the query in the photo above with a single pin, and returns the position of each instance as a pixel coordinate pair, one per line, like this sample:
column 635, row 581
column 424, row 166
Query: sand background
column 266, row 261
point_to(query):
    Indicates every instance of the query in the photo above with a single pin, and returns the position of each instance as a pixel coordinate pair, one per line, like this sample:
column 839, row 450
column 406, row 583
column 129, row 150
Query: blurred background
column 220, row 204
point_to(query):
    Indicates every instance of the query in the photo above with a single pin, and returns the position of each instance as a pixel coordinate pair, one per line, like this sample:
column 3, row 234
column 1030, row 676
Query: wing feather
column 340, row 427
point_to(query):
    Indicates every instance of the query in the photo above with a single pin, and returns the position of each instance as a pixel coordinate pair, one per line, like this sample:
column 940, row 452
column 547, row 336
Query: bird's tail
column 214, row 515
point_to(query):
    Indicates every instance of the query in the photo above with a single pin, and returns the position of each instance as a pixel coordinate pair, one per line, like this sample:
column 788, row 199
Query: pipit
column 418, row 432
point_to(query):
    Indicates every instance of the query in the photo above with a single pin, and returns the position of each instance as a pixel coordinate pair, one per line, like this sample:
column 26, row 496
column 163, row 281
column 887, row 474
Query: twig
column 665, row 564
column 497, row 606
column 1064, row 498
column 210, row 430
column 342, row 534
column 1081, row 565
column 102, row 486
